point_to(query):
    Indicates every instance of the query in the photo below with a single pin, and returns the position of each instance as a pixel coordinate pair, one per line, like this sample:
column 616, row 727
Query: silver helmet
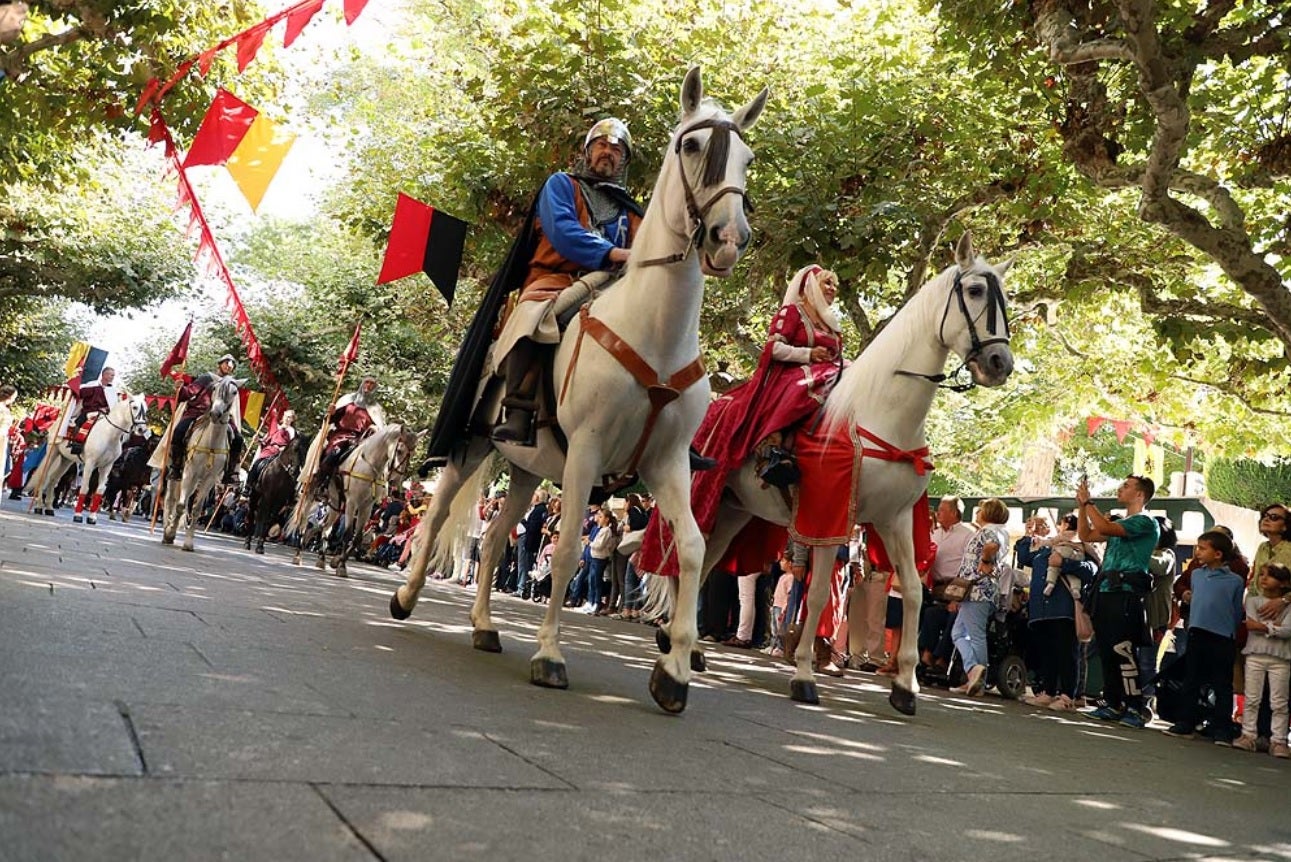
column 614, row 129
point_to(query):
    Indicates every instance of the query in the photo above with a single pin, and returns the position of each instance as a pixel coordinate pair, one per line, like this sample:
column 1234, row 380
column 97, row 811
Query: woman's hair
column 1279, row 573
column 993, row 511
column 610, row 521
column 1220, row 541
column 1286, row 517
column 7, row 390
column 633, row 500
column 1070, row 522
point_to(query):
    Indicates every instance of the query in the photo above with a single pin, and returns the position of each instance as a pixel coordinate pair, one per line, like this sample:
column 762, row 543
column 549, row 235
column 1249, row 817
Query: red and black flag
column 424, row 239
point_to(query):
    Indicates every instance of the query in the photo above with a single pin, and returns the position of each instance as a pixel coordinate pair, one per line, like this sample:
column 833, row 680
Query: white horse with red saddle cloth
column 875, row 417
column 102, row 447
column 632, row 391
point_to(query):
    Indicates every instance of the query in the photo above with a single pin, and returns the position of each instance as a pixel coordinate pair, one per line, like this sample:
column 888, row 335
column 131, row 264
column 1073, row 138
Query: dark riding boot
column 522, row 374
column 699, row 463
column 231, row 476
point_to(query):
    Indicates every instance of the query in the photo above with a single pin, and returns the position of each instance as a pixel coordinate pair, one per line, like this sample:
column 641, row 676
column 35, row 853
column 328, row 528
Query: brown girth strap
column 661, row 392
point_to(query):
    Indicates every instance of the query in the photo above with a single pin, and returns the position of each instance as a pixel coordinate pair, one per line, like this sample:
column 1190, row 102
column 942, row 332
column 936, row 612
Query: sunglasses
column 1273, row 516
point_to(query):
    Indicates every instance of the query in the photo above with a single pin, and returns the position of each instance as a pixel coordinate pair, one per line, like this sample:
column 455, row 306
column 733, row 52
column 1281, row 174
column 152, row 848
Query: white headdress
column 805, row 287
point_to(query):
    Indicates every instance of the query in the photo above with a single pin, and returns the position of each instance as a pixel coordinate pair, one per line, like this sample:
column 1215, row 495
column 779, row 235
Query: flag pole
column 165, row 457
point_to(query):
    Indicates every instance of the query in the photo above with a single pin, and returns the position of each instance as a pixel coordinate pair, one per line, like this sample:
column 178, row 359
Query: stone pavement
column 160, row 705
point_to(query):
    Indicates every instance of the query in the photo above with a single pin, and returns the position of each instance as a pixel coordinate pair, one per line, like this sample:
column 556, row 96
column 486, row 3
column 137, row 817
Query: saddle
column 82, row 431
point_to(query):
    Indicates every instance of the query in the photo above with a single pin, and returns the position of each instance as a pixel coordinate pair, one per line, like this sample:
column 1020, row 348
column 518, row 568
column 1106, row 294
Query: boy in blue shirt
column 1216, row 598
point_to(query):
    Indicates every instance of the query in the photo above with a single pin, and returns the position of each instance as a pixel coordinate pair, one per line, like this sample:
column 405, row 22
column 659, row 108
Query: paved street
column 160, row 705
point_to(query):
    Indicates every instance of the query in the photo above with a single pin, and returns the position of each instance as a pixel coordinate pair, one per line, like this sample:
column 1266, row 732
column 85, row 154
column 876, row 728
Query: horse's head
column 138, row 414
column 704, row 173
column 405, row 445
column 975, row 322
column 224, row 398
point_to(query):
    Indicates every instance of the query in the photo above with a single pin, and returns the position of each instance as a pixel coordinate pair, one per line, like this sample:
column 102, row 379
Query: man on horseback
column 585, row 222
column 353, row 417
column 282, row 434
column 95, row 398
column 195, row 395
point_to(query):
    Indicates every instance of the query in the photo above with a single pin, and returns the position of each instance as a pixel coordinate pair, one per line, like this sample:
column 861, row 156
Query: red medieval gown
column 778, row 396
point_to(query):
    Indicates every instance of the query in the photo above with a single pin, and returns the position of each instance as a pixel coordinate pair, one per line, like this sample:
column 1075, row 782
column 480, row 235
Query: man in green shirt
column 1120, row 618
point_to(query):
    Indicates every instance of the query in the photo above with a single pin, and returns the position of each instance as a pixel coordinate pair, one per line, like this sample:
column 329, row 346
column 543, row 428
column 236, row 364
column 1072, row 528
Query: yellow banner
column 1149, row 461
column 258, row 157
column 254, row 406
column 76, row 358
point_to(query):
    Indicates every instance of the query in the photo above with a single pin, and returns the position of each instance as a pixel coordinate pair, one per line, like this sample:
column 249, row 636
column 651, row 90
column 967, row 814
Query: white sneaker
column 588, row 608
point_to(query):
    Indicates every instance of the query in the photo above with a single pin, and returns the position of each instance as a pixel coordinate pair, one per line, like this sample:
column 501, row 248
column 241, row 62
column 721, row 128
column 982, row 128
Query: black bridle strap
column 693, row 209
column 995, row 304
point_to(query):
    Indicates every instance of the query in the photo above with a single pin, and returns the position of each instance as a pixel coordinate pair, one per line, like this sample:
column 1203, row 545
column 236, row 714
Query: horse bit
column 995, row 305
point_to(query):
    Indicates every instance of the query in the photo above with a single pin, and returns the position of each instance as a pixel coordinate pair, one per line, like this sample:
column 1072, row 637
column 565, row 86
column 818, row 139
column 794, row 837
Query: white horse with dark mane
column 204, row 459
column 877, row 411
column 623, row 411
column 102, row 447
column 379, row 462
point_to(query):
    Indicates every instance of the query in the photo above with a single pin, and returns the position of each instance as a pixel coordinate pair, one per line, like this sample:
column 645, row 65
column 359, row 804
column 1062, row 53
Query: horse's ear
column 965, row 254
column 745, row 117
column 692, row 92
column 241, row 381
column 1002, row 268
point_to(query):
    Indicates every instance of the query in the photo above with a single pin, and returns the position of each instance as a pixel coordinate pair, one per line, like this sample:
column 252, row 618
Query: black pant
column 1053, row 645
column 1209, row 660
column 1120, row 625
column 935, row 623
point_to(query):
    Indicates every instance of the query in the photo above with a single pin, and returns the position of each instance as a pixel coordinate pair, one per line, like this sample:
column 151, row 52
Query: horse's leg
column 670, row 482
column 96, row 498
column 523, row 484
column 426, row 536
column 325, row 536
column 170, row 511
column 547, row 666
column 189, row 500
column 898, row 540
column 802, row 687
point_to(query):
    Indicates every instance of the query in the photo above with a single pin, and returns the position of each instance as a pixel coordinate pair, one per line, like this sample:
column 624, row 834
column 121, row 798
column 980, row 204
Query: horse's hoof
column 662, row 641
column 247, row 544
column 803, row 691
column 697, row 662
column 396, row 609
column 188, row 548
column 486, row 640
column 666, row 691
column 259, row 548
column 91, row 520
column 547, row 673
column 902, row 699
column 77, row 519
column 168, row 541
column 49, row 512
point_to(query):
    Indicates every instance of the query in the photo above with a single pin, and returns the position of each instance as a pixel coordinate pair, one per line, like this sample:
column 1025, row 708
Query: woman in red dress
column 799, row 365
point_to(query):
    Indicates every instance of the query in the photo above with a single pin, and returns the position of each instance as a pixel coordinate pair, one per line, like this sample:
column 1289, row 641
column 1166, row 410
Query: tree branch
column 1227, row 389
column 14, row 61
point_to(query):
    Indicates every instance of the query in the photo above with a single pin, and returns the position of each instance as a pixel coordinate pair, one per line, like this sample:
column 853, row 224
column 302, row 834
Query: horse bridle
column 107, row 417
column 997, row 314
column 722, row 127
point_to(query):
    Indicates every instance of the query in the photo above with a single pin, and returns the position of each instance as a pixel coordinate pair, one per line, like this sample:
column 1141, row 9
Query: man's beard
column 362, row 399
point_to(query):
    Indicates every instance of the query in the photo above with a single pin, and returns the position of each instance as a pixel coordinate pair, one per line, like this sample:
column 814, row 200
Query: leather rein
column 997, row 326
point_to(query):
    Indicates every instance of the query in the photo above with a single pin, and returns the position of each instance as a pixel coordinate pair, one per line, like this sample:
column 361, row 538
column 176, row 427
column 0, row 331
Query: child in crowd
column 1216, row 601
column 1268, row 654
column 1066, row 544
column 780, row 604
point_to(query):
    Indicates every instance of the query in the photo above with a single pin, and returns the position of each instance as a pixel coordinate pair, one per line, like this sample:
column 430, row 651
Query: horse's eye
column 976, row 291
column 690, row 145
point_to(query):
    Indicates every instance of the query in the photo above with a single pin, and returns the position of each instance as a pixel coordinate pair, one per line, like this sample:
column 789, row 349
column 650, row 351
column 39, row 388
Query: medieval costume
column 195, row 395
column 274, row 442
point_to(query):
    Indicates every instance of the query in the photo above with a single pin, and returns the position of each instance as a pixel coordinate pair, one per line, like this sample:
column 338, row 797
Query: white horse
column 102, row 447
column 623, row 411
column 380, row 461
column 208, row 450
column 888, row 392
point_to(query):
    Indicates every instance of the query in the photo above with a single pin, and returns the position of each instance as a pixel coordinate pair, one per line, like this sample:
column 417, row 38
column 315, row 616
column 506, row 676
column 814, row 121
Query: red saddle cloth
column 78, row 436
column 825, row 501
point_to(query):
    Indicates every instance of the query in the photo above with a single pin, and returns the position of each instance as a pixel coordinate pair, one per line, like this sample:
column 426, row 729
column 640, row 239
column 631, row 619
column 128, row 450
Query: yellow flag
column 258, row 157
column 76, row 358
column 254, row 406
column 1156, row 465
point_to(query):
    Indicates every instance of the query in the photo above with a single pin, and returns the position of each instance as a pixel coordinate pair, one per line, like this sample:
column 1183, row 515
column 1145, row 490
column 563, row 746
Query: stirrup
column 699, row 463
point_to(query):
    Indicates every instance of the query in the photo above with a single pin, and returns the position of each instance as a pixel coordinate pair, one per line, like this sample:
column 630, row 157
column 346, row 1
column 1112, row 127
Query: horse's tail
column 658, row 598
column 461, row 511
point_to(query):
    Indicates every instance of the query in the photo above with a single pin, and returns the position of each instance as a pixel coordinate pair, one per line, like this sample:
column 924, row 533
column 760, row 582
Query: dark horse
column 130, row 472
column 273, row 492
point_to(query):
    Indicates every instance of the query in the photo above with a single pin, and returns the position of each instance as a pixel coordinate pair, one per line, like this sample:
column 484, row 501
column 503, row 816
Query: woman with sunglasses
column 1276, row 548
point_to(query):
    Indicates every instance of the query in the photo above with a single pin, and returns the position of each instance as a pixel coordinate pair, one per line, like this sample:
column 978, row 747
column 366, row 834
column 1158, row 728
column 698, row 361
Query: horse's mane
column 858, row 383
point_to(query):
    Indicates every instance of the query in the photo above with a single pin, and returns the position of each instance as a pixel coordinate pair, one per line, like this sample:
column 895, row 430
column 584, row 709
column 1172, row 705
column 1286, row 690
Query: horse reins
column 997, row 314
column 718, row 151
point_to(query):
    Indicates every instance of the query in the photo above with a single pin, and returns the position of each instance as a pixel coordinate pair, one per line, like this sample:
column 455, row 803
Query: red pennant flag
column 427, row 240
column 1122, row 427
column 351, row 352
column 225, row 124
column 205, row 59
column 353, row 9
column 178, row 354
column 249, row 43
column 298, row 18
column 1093, row 423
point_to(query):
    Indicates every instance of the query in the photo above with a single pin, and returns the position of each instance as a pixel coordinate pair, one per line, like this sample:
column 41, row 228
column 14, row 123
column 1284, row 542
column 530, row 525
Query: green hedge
column 1252, row 484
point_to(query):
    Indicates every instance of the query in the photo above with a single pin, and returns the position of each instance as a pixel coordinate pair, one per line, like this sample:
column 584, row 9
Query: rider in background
column 586, row 221
column 195, row 395
column 276, row 440
column 94, row 398
column 352, row 418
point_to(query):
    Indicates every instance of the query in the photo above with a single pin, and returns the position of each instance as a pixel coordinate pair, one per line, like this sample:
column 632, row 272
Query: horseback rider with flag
column 353, row 417
column 277, row 439
column 95, row 398
column 195, row 395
